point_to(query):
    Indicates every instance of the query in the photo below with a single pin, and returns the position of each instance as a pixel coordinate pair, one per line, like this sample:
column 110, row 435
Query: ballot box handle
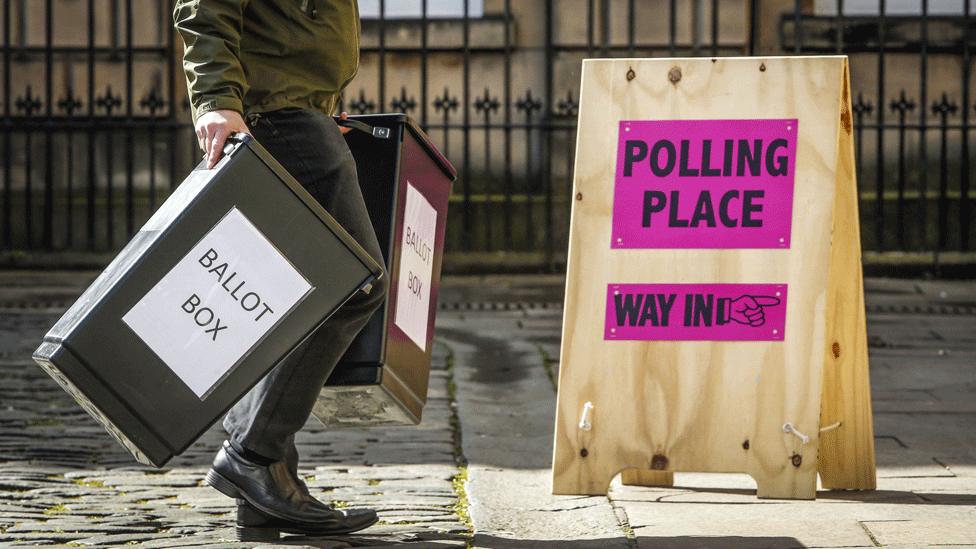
column 378, row 132
column 234, row 141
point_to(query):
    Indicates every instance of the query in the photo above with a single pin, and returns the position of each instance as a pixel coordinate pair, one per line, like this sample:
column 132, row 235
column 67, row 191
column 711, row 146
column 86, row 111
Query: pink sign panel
column 696, row 312
column 704, row 184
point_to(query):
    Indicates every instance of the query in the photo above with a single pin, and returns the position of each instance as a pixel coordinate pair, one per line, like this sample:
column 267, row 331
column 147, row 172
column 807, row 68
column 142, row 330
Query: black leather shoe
column 276, row 492
column 253, row 525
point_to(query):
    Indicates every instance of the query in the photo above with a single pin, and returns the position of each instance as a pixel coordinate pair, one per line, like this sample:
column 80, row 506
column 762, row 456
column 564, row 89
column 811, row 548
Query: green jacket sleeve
column 211, row 32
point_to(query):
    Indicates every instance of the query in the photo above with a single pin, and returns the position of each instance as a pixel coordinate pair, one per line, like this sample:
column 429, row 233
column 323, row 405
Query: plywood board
column 709, row 406
column 644, row 477
column 847, row 444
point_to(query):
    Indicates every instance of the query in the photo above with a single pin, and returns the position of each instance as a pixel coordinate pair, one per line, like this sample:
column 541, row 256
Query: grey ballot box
column 235, row 270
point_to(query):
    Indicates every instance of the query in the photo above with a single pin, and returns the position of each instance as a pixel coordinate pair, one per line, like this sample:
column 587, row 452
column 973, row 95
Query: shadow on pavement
column 898, row 496
column 364, row 541
column 868, row 496
column 675, row 542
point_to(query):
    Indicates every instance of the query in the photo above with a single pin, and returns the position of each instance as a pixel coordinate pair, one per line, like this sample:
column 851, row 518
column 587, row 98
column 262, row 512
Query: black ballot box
column 406, row 183
column 234, row 270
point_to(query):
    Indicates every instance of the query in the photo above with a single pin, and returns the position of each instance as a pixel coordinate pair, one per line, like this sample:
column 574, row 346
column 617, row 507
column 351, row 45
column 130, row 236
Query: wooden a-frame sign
column 714, row 314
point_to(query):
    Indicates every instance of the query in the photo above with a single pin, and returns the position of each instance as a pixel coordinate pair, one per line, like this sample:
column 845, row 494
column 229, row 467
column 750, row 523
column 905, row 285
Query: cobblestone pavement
column 476, row 471
column 64, row 481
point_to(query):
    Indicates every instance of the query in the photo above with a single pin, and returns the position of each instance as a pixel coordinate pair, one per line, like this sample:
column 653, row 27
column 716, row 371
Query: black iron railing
column 913, row 152
column 95, row 126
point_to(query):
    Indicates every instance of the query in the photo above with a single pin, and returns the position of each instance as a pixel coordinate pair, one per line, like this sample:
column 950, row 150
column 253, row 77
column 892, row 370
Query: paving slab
column 961, row 531
column 923, row 373
column 506, row 406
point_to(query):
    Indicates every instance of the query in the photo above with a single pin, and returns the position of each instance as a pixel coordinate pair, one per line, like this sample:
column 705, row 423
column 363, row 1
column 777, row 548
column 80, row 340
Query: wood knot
column 845, row 113
column 796, row 460
column 579, row 196
column 631, row 74
column 745, row 445
column 762, row 67
column 835, row 349
column 659, row 462
column 674, row 75
column 584, row 452
column 845, row 120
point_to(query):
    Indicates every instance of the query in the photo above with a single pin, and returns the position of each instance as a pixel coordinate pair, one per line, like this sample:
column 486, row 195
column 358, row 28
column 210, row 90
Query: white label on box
column 217, row 302
column 416, row 266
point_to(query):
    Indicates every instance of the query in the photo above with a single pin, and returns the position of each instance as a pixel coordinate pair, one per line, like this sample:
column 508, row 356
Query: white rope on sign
column 584, row 423
column 790, row 429
column 830, row 427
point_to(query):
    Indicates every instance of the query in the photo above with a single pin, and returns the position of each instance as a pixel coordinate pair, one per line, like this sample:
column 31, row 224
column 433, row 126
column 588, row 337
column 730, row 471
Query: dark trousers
column 310, row 146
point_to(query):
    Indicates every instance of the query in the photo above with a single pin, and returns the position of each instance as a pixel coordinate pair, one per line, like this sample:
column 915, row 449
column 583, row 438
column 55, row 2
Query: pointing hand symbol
column 748, row 309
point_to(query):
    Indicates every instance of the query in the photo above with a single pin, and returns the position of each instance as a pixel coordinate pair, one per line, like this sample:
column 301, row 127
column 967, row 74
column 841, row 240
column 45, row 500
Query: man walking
column 274, row 69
